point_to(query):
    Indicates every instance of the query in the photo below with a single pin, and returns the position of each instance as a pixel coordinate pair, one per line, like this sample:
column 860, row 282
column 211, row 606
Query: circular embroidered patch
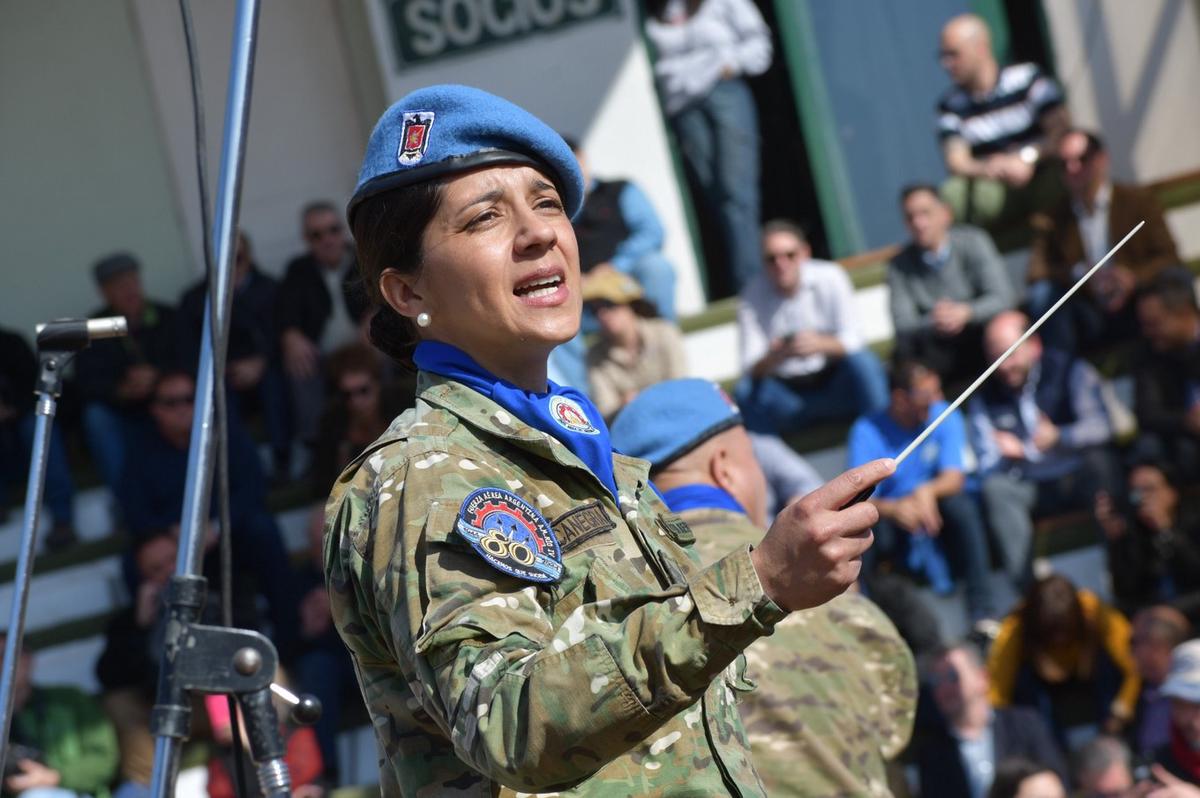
column 510, row 535
column 570, row 416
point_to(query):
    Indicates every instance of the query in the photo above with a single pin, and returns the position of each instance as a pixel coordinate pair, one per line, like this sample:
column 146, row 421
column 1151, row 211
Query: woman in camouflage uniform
column 523, row 612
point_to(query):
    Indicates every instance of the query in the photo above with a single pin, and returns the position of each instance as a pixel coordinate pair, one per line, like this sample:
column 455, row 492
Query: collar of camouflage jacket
column 482, row 414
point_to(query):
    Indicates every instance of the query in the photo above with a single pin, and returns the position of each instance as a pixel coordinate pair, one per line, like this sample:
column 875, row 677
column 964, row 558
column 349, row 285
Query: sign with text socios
column 425, row 30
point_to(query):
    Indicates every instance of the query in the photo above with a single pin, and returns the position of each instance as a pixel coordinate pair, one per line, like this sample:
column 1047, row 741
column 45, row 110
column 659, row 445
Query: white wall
column 82, row 169
column 593, row 81
column 1131, row 72
column 305, row 137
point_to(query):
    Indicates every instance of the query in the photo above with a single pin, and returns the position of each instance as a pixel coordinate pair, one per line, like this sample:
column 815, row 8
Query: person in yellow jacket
column 1066, row 652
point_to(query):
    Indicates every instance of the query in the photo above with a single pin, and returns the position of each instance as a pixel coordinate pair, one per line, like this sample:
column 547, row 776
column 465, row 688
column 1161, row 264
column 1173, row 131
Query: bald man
column 997, row 127
column 836, row 693
column 1040, row 430
column 995, row 122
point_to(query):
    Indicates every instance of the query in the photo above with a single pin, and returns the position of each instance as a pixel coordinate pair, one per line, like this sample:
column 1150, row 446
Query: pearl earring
column 422, row 319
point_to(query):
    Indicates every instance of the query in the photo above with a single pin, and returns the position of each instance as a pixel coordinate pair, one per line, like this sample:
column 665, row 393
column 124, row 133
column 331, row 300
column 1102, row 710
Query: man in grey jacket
column 945, row 286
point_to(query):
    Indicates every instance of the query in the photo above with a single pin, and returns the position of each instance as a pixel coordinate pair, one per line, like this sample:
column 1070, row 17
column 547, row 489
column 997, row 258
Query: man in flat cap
column 836, row 691
column 116, row 376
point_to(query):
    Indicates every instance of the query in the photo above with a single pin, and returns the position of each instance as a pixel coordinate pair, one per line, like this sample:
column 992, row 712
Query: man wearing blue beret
column 836, row 683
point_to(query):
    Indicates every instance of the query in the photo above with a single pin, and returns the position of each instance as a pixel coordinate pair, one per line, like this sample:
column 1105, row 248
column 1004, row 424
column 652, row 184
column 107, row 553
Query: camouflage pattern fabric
column 837, row 685
column 619, row 679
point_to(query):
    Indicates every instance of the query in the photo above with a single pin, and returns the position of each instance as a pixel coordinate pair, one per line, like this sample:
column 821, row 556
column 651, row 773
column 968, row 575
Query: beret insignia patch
column 414, row 137
column 510, row 535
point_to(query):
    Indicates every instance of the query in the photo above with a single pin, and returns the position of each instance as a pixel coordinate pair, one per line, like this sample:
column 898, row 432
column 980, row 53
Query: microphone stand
column 57, row 343
column 198, row 658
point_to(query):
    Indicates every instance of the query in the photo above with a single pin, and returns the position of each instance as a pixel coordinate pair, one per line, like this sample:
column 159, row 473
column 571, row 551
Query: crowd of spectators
column 1061, row 677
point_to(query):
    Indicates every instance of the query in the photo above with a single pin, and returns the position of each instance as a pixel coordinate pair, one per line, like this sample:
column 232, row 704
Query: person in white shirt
column 703, row 49
column 802, row 357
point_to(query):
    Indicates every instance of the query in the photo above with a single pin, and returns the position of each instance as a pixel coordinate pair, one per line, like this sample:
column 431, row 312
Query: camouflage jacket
column 618, row 679
column 837, row 686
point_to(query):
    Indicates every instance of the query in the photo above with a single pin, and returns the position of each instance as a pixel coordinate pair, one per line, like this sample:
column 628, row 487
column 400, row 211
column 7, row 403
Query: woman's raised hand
column 812, row 552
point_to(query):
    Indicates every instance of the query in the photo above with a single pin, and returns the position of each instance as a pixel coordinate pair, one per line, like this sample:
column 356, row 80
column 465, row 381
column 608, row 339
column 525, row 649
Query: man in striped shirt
column 996, row 124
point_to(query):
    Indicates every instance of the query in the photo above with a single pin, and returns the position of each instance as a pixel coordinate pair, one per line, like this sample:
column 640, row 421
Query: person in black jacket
column 1154, row 544
column 115, row 376
column 320, row 306
column 18, row 372
column 1167, row 374
column 959, row 755
column 152, row 489
column 253, row 371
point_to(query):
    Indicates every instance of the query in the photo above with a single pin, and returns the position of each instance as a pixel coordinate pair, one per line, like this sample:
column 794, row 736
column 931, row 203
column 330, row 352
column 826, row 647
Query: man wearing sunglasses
column 320, row 307
column 803, row 357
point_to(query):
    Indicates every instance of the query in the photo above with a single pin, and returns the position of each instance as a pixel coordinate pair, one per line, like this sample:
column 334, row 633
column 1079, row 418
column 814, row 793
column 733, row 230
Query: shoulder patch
column 569, row 415
column 574, row 527
column 677, row 529
column 510, row 535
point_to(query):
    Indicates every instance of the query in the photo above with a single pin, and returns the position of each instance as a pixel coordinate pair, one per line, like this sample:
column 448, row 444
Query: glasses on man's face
column 789, row 255
column 356, row 391
column 318, row 233
column 173, row 402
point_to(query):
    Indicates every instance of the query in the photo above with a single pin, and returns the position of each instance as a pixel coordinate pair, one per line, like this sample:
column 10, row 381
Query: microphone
column 72, row 335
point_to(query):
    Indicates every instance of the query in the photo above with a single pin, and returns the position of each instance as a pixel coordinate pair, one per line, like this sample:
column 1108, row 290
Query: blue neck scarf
column 704, row 497
column 562, row 412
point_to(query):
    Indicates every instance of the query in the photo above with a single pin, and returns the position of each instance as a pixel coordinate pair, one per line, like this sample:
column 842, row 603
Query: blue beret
column 444, row 130
column 668, row 420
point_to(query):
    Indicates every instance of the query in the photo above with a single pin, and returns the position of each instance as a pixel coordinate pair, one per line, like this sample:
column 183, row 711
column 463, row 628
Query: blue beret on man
column 444, row 130
column 670, row 419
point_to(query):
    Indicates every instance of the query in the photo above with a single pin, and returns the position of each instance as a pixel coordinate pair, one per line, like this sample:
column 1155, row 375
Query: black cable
column 220, row 421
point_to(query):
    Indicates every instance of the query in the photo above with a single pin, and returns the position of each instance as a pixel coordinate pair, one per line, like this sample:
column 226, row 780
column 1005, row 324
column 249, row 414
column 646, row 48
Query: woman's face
column 616, row 321
column 500, row 274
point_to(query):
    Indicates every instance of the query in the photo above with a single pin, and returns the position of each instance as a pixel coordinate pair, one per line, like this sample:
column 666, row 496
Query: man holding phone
column 802, row 355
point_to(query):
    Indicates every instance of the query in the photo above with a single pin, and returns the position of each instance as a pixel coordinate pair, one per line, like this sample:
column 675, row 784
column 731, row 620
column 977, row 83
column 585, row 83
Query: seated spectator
column 998, row 128
column 1181, row 756
column 1167, row 373
column 252, row 371
column 959, row 755
column 1039, row 429
column 152, row 491
column 1020, row 778
column 1066, row 653
column 945, row 285
column 618, row 230
column 61, row 745
column 1153, row 542
column 1156, row 633
column 1095, row 215
column 924, row 515
column 128, row 666
column 115, row 376
column 837, row 685
column 319, row 308
column 635, row 349
column 323, row 666
column 362, row 407
column 1104, row 769
column 803, row 359
column 18, row 375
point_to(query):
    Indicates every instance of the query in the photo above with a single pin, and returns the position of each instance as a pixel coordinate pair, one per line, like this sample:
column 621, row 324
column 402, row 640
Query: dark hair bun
column 394, row 335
